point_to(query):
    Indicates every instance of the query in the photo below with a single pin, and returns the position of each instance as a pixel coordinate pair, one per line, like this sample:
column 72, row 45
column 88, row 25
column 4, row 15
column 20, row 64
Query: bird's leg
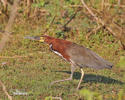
column 68, row 79
column 82, row 75
column 72, row 71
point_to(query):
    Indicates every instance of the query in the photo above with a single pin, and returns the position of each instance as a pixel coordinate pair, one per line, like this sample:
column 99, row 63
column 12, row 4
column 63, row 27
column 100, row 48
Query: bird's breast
column 56, row 52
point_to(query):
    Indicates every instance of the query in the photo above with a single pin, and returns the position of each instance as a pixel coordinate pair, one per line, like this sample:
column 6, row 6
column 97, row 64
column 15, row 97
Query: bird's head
column 44, row 38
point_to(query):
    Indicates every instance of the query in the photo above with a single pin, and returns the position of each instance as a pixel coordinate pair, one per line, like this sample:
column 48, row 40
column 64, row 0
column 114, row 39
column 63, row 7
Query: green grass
column 30, row 66
column 34, row 67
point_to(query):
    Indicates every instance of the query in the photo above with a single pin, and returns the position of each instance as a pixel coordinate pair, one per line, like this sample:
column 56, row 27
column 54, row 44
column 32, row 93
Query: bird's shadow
column 94, row 78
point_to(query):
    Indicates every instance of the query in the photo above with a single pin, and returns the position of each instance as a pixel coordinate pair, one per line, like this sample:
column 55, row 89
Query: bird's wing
column 85, row 57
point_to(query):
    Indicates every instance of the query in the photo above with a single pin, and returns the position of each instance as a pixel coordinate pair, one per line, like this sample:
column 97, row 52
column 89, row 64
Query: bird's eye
column 41, row 39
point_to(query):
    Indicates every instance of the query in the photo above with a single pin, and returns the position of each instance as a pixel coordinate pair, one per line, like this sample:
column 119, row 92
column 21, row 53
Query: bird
column 77, row 55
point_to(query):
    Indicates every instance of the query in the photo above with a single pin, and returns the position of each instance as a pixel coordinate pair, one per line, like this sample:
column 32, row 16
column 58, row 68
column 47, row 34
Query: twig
column 22, row 56
column 71, row 18
column 1, row 31
column 110, row 27
column 64, row 27
column 5, row 57
column 102, row 5
column 50, row 24
column 5, row 91
column 6, row 35
column 90, row 11
column 107, row 4
column 74, row 6
column 119, row 2
column 98, row 19
column 4, row 3
column 59, row 98
column 94, row 30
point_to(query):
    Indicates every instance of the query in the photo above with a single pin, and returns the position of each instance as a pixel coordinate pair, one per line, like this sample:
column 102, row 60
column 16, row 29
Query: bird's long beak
column 37, row 38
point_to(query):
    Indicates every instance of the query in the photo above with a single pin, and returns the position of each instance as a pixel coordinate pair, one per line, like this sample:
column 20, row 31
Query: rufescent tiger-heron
column 76, row 55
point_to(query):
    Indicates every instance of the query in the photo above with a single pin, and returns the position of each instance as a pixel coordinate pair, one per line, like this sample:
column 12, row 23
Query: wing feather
column 85, row 57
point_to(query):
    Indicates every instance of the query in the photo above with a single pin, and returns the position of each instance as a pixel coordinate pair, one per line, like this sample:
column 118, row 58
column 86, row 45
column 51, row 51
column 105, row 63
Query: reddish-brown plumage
column 58, row 45
column 76, row 54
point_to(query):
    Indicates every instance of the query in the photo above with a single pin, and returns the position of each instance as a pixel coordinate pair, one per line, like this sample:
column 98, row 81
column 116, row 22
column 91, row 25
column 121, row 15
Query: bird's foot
column 68, row 79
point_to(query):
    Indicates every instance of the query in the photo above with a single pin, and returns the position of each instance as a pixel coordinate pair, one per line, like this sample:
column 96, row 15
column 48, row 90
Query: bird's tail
column 33, row 38
column 104, row 63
